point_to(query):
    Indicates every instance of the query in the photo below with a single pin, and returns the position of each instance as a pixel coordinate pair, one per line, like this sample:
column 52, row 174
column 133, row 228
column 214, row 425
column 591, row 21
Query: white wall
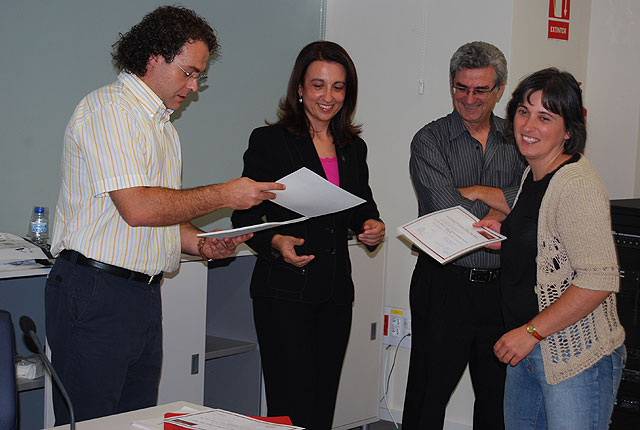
column 395, row 43
column 612, row 95
column 531, row 50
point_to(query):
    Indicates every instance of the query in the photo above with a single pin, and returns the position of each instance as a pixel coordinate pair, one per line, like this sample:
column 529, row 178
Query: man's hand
column 285, row 245
column 242, row 193
column 222, row 248
column 373, row 232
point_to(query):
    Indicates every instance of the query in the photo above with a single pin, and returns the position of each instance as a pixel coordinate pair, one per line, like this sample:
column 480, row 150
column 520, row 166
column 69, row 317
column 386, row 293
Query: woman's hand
column 372, row 232
column 285, row 245
column 494, row 225
column 514, row 345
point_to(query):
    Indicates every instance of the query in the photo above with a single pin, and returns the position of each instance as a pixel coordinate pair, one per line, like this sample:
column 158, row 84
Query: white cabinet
column 184, row 314
column 358, row 395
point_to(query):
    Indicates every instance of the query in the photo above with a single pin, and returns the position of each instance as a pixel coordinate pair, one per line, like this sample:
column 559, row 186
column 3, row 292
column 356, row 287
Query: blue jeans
column 583, row 402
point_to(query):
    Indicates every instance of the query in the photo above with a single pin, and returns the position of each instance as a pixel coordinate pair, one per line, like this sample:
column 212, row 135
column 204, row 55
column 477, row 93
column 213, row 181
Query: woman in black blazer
column 301, row 285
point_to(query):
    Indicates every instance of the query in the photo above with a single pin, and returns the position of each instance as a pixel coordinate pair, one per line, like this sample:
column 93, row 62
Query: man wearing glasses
column 461, row 159
column 122, row 218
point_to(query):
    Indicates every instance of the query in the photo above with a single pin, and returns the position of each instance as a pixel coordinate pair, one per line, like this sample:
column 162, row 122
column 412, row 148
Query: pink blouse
column 330, row 166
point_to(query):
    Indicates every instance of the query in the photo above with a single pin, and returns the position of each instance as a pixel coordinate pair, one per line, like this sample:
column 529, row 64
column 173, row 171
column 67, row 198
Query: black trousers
column 302, row 347
column 105, row 335
column 454, row 322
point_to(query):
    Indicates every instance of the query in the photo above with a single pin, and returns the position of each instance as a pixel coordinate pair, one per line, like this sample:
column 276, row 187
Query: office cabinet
column 358, row 394
column 184, row 309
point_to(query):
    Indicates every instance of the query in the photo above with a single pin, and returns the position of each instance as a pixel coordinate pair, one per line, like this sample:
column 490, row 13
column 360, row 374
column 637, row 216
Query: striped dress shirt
column 445, row 157
column 118, row 137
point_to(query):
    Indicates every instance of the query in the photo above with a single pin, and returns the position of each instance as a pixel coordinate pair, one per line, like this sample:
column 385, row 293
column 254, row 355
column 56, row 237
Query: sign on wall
column 558, row 21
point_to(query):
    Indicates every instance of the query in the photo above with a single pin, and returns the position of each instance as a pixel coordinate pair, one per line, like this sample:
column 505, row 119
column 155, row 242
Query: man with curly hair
column 122, row 218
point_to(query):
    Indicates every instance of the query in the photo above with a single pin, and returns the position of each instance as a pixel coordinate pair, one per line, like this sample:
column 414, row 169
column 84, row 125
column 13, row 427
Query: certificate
column 448, row 234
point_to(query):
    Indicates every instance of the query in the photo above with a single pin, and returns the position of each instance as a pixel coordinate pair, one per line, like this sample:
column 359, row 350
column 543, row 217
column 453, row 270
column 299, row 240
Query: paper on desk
column 14, row 248
column 311, row 195
column 158, row 422
column 307, row 193
column 218, row 419
column 248, row 229
column 448, row 234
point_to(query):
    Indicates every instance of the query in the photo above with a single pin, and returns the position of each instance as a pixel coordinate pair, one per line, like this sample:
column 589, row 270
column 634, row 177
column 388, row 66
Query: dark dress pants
column 302, row 348
column 454, row 322
column 105, row 335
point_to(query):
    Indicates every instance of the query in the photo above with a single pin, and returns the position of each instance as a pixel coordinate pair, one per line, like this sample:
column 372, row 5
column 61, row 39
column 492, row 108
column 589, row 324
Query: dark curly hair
column 291, row 114
column 561, row 95
column 161, row 32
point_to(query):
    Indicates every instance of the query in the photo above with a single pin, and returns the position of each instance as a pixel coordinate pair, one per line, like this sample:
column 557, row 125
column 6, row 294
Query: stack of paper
column 19, row 255
column 215, row 419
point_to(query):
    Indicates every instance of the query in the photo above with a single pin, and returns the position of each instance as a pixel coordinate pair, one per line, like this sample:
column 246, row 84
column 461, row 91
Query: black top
column 519, row 252
column 272, row 154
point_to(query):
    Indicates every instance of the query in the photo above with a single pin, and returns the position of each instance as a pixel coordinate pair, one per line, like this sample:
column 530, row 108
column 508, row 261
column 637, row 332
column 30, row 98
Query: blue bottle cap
column 39, row 209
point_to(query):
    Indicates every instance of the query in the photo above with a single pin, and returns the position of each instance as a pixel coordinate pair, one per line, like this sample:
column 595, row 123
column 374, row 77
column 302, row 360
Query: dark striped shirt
column 445, row 157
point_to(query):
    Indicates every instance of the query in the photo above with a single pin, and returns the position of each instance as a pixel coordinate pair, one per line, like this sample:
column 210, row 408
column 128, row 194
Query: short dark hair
column 478, row 55
column 561, row 95
column 292, row 115
column 163, row 31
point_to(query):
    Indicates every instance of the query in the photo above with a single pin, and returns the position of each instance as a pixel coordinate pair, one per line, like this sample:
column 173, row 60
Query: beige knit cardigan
column 575, row 246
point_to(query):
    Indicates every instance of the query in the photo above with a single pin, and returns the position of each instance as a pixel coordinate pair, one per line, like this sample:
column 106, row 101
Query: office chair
column 8, row 391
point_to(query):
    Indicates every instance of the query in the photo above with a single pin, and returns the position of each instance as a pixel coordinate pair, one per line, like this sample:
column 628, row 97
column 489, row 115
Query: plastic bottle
column 39, row 226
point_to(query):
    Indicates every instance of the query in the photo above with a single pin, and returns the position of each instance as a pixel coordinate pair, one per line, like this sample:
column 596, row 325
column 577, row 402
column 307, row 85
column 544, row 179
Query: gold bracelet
column 201, row 248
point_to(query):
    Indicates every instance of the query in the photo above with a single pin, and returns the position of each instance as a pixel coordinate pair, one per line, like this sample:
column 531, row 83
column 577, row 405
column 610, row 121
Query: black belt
column 477, row 275
column 76, row 257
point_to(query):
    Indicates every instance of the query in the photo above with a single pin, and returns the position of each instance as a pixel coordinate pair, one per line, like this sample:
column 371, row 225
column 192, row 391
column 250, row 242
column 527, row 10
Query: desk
column 123, row 421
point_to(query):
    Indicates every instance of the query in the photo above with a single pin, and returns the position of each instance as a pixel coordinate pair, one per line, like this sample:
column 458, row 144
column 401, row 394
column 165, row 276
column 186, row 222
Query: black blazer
column 272, row 154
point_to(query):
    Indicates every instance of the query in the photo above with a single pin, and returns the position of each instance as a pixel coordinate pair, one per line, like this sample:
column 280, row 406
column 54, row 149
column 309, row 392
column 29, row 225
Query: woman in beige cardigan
column 564, row 341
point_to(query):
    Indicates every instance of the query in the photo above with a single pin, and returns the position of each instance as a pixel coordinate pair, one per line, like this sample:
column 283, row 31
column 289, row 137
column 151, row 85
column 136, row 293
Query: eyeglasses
column 195, row 76
column 480, row 92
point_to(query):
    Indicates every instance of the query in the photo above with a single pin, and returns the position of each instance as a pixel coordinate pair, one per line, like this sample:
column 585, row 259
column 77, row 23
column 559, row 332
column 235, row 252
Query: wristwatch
column 531, row 329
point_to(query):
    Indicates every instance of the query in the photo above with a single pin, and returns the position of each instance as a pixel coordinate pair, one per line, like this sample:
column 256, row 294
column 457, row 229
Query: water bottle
column 39, row 226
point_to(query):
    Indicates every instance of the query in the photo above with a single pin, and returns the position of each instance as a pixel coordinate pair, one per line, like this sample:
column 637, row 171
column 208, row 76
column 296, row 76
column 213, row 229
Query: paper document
column 311, row 195
column 308, row 194
column 14, row 248
column 158, row 422
column 248, row 229
column 448, row 234
column 219, row 419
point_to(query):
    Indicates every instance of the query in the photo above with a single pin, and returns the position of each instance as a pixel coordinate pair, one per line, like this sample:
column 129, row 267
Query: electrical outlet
column 396, row 325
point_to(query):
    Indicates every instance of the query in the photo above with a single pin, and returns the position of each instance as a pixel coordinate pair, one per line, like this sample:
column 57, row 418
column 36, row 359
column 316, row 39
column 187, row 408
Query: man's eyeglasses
column 196, row 77
column 480, row 92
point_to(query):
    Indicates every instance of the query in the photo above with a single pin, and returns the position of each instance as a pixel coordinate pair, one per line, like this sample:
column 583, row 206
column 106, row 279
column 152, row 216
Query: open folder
column 308, row 194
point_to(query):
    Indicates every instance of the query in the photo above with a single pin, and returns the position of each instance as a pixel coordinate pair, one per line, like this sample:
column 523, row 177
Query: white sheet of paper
column 248, row 229
column 219, row 419
column 311, row 195
column 448, row 234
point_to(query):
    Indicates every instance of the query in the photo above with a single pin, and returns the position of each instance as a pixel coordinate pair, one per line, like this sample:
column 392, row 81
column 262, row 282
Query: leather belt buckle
column 480, row 275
